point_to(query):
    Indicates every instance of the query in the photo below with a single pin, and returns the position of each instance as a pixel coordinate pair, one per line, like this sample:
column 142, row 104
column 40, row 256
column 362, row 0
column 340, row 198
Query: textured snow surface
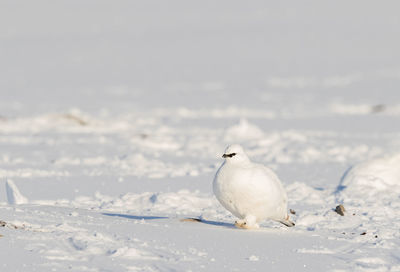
column 114, row 117
column 112, row 193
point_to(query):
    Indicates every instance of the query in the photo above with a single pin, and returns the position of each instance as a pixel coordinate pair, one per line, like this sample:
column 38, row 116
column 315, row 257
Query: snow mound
column 14, row 196
column 243, row 131
column 377, row 179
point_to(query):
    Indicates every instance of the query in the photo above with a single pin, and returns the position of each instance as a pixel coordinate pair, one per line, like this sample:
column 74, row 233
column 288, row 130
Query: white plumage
column 250, row 191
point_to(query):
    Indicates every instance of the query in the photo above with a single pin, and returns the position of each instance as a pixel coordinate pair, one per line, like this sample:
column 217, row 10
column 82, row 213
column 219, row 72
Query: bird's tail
column 287, row 222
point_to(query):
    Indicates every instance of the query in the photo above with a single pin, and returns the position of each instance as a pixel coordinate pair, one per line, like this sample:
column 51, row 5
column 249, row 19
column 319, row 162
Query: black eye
column 230, row 155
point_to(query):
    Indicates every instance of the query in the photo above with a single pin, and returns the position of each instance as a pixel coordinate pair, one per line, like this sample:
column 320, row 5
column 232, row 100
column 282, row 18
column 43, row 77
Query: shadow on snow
column 142, row 217
column 134, row 217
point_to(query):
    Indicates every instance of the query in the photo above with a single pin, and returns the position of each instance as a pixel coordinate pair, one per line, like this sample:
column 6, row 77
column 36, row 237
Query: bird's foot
column 241, row 224
column 246, row 224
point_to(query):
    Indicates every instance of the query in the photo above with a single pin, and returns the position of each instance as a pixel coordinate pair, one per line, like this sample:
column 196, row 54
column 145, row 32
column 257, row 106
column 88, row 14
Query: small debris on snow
column 292, row 211
column 363, row 233
column 378, row 108
column 75, row 119
column 74, row 214
column 340, row 210
column 10, row 225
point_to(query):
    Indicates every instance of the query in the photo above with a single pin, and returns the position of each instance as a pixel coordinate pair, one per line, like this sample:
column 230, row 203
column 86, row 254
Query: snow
column 374, row 179
column 242, row 132
column 114, row 117
column 14, row 196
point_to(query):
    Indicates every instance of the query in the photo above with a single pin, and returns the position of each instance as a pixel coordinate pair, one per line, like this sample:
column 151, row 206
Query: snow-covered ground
column 114, row 117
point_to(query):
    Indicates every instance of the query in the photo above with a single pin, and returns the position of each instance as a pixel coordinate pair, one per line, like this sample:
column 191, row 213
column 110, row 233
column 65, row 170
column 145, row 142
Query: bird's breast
column 231, row 187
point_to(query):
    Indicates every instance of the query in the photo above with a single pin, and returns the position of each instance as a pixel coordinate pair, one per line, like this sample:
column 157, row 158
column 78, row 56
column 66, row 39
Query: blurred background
column 300, row 57
column 127, row 106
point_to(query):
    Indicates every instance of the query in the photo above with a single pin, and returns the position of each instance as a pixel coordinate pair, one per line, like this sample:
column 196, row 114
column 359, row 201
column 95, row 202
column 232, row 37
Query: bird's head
column 235, row 154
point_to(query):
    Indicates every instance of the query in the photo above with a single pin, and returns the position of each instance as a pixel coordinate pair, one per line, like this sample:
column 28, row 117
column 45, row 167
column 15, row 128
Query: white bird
column 250, row 191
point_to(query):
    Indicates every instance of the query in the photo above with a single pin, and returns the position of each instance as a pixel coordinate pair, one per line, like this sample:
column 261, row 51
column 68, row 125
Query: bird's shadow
column 213, row 223
column 192, row 219
column 219, row 224
column 135, row 217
